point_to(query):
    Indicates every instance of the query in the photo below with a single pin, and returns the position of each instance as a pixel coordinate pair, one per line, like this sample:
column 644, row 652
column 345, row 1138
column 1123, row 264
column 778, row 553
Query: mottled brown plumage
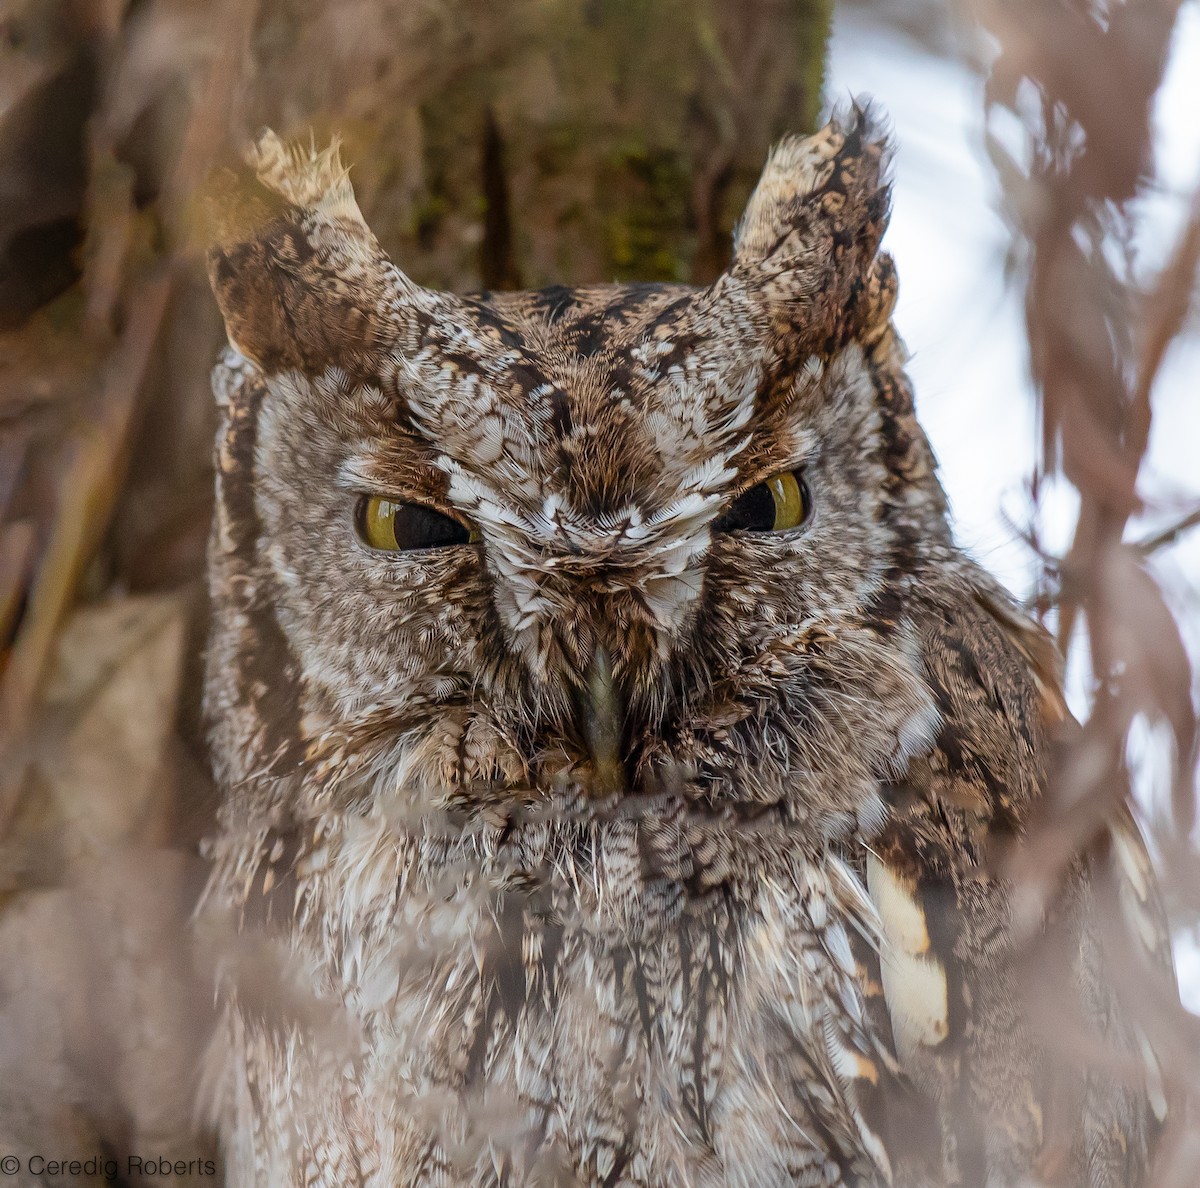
column 613, row 847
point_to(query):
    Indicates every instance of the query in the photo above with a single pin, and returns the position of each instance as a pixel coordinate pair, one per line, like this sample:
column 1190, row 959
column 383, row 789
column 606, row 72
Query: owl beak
column 601, row 717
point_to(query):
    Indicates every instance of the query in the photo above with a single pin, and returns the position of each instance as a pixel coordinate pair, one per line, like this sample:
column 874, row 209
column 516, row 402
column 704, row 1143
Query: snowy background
column 963, row 322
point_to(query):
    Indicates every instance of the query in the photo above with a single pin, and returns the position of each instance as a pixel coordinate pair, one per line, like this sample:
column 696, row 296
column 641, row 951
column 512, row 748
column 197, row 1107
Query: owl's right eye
column 394, row 527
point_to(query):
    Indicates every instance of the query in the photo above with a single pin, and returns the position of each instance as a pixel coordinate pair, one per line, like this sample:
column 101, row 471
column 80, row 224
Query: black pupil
column 420, row 527
column 751, row 511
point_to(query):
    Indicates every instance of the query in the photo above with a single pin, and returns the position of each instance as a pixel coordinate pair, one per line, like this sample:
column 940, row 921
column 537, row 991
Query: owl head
column 478, row 542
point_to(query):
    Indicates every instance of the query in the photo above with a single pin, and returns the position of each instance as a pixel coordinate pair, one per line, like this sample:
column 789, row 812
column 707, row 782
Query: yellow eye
column 377, row 523
column 791, row 500
column 782, row 502
column 394, row 527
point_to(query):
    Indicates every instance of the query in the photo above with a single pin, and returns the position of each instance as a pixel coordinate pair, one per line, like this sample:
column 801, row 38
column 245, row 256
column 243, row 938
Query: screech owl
column 615, row 746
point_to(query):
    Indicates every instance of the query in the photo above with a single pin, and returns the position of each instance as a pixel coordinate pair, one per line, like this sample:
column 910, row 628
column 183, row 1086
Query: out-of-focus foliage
column 520, row 142
column 1070, row 97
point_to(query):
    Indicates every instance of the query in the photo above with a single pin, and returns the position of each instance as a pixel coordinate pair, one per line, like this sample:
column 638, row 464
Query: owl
column 618, row 756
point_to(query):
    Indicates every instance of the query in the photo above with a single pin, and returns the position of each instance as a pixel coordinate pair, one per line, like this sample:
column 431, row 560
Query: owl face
column 615, row 531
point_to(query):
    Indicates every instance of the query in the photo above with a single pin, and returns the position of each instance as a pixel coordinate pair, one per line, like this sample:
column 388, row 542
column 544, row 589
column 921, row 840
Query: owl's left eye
column 394, row 527
column 782, row 502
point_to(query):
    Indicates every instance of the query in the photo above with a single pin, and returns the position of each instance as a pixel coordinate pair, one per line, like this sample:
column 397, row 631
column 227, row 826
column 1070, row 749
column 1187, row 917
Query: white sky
column 963, row 321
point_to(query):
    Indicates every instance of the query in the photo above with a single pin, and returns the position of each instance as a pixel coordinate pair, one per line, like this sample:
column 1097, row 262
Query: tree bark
column 539, row 142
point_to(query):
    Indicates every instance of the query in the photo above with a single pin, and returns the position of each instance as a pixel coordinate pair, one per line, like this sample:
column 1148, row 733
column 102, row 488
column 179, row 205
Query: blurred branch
column 1163, row 315
column 86, row 490
column 1166, row 310
column 207, row 130
column 92, row 364
column 1168, row 536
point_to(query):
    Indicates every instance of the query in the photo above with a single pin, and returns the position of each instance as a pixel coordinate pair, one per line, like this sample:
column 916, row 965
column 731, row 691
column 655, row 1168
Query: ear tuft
column 839, row 175
column 305, row 177
column 807, row 246
column 300, row 279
